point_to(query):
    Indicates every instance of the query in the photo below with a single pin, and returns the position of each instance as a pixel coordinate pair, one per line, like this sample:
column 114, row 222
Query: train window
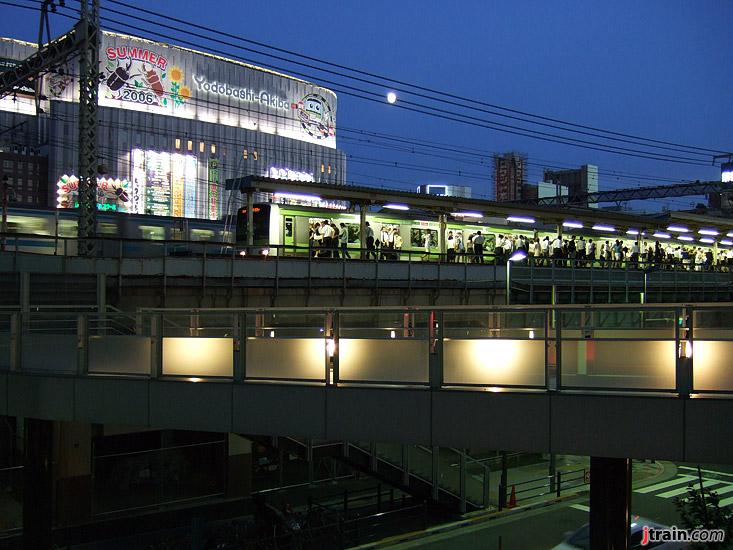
column 417, row 237
column 68, row 228
column 107, row 228
column 202, row 235
column 33, row 226
column 152, row 232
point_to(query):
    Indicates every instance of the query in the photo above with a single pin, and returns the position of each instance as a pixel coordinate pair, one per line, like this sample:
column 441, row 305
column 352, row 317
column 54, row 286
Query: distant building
column 509, row 171
column 577, row 182
column 26, row 171
column 445, row 190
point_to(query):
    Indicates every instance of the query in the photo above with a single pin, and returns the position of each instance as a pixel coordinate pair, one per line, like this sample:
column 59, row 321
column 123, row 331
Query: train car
column 55, row 231
column 284, row 229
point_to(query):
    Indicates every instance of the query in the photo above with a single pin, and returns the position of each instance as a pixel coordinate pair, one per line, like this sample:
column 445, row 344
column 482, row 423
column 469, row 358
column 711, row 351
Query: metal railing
column 545, row 348
column 511, row 494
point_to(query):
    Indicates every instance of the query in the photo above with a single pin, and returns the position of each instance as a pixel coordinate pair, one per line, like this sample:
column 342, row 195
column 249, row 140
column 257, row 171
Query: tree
column 701, row 509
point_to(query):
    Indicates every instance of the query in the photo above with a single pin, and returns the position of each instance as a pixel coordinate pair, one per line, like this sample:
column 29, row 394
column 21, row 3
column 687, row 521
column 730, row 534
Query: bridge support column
column 610, row 503
column 74, row 486
column 38, row 485
column 239, row 467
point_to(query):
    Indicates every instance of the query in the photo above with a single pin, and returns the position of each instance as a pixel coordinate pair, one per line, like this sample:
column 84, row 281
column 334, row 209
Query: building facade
column 575, row 182
column 509, row 176
column 174, row 124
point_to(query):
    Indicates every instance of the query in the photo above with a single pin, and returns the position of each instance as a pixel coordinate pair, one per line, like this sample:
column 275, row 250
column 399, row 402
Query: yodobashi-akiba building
column 174, row 124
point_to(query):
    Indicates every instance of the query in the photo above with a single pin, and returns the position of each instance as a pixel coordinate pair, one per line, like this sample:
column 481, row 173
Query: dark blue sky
column 657, row 69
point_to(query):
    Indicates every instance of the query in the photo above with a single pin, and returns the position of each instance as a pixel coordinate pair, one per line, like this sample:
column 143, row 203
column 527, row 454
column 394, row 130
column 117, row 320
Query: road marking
column 664, row 485
column 581, row 507
column 674, row 492
column 706, row 471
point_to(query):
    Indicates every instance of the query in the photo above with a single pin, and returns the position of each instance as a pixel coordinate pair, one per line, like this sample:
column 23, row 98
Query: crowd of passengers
column 327, row 239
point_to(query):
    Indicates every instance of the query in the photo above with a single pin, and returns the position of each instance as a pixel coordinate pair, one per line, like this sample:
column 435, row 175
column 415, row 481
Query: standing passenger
column 478, row 247
column 344, row 241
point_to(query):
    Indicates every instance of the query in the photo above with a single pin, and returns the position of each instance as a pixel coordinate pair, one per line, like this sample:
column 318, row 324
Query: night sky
column 658, row 69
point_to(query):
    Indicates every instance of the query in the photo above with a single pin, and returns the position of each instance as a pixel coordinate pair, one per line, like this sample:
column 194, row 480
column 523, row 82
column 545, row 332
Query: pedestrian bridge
column 614, row 381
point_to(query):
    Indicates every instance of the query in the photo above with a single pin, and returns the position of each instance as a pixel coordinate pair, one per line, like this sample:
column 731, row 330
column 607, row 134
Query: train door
column 289, row 234
column 301, row 234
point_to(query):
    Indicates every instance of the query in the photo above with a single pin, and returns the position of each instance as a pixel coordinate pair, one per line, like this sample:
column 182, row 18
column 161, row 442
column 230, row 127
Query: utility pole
column 88, row 29
column 83, row 41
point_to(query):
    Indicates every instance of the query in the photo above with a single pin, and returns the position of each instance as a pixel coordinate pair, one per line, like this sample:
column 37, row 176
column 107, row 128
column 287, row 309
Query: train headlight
column 242, row 252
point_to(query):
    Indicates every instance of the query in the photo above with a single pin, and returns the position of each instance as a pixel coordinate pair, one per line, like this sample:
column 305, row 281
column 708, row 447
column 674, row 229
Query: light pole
column 518, row 256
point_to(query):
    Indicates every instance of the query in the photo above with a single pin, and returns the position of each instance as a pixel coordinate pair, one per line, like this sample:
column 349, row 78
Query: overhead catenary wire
column 376, row 98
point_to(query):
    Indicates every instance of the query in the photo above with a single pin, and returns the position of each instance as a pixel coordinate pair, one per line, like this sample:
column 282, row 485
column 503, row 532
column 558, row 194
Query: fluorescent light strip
column 599, row 227
column 296, row 196
column 632, row 232
column 659, row 235
column 468, row 214
column 726, row 242
column 678, row 229
column 685, row 238
column 520, row 219
column 712, row 232
column 576, row 225
column 397, row 206
column 707, row 240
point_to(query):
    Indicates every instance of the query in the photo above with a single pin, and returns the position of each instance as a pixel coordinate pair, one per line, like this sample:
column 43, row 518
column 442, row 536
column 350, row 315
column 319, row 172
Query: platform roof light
column 632, row 231
column 726, row 242
column 707, row 240
column 660, row 235
column 576, row 225
column 467, row 214
column 600, row 227
column 685, row 238
column 712, row 232
column 397, row 206
column 678, row 229
column 730, row 234
column 520, row 219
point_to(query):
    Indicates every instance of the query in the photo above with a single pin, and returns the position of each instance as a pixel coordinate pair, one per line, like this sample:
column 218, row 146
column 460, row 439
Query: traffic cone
column 512, row 499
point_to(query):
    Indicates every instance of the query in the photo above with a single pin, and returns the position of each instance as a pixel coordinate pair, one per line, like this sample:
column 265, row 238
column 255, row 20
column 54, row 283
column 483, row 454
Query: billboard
column 163, row 184
column 141, row 75
column 112, row 194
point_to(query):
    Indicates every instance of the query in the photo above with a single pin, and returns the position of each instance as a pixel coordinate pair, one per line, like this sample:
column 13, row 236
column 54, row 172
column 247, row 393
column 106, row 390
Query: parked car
column 580, row 540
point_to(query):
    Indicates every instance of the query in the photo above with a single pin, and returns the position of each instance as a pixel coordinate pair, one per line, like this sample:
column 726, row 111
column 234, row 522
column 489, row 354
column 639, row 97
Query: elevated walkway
column 616, row 381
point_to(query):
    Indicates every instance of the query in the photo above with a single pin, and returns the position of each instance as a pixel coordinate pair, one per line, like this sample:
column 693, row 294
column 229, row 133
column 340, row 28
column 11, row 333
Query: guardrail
column 538, row 348
column 542, row 486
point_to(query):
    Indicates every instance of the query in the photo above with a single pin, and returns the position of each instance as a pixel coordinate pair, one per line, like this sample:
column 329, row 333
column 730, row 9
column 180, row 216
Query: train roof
column 588, row 217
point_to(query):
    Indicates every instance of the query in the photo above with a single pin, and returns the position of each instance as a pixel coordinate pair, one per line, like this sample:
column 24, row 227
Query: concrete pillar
column 75, row 485
column 239, row 467
column 38, row 485
column 610, row 503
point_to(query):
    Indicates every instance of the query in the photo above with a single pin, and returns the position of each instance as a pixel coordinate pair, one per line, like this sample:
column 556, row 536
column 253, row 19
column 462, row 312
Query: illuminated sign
column 288, row 174
column 163, row 184
column 726, row 172
column 242, row 94
column 111, row 194
column 27, row 90
column 213, row 189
